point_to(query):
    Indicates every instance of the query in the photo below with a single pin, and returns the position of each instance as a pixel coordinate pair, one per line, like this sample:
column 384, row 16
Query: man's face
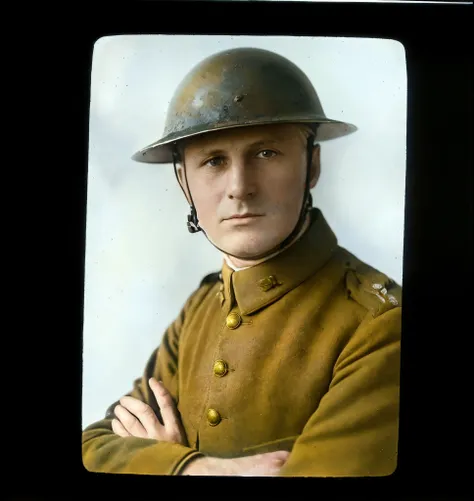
column 257, row 171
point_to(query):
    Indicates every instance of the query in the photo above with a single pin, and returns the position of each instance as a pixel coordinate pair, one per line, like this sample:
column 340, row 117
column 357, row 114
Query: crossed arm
column 143, row 433
column 135, row 418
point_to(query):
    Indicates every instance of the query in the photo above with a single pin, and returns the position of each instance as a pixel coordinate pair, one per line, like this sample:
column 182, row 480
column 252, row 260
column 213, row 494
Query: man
column 287, row 361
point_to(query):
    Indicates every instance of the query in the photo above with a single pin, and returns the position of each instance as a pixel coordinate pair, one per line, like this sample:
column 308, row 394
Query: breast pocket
column 281, row 444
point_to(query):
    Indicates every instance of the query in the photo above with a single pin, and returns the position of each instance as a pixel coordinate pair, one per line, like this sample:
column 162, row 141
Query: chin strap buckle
column 193, row 223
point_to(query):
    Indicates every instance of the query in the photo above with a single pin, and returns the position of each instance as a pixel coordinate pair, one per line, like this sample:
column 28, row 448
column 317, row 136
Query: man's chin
column 246, row 250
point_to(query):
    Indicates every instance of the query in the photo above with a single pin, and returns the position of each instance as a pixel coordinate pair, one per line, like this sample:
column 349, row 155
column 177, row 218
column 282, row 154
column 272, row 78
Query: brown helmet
column 236, row 88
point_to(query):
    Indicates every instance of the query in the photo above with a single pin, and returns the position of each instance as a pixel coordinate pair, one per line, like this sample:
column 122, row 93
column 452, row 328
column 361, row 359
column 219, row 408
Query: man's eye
column 215, row 162
column 266, row 154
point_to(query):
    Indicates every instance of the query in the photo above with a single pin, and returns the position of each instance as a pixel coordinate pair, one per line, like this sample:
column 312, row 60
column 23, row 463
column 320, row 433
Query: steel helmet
column 236, row 88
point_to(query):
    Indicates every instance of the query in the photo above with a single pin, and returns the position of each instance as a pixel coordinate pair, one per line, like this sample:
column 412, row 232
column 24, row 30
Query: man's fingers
column 118, row 429
column 280, row 455
column 272, row 462
column 130, row 422
column 276, row 455
column 144, row 413
column 168, row 411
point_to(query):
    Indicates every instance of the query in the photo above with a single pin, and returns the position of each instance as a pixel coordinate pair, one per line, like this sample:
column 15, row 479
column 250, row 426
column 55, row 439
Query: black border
column 45, row 454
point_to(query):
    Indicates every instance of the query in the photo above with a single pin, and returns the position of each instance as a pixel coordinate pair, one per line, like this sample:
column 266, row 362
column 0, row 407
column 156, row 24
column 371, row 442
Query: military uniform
column 300, row 352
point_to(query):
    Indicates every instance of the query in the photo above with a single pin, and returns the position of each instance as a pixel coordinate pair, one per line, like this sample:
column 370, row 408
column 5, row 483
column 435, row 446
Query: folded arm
column 103, row 450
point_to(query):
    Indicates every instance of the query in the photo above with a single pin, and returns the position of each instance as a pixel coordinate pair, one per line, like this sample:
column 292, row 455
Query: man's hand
column 137, row 419
column 268, row 464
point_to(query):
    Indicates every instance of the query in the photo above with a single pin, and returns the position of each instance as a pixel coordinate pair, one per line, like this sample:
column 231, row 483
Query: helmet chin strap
column 193, row 221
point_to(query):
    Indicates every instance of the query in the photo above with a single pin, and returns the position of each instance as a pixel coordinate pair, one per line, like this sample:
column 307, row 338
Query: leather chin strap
column 307, row 203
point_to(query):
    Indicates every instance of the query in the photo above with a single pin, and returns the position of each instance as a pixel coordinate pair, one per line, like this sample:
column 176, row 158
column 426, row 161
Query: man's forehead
column 260, row 133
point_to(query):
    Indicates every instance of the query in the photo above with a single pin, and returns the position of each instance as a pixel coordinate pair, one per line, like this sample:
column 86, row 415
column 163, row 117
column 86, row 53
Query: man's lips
column 244, row 216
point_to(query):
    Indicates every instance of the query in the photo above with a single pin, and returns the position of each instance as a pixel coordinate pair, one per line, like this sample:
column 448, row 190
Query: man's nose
column 241, row 182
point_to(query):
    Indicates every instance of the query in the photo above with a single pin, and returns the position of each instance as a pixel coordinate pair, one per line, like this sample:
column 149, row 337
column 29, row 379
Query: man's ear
column 315, row 166
column 182, row 181
column 180, row 173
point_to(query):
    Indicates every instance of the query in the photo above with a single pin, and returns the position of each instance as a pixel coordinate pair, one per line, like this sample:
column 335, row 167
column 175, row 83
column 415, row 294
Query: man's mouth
column 244, row 216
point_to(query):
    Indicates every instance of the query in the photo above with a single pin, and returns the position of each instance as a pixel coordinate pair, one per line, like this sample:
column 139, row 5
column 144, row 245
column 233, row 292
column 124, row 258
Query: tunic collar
column 260, row 285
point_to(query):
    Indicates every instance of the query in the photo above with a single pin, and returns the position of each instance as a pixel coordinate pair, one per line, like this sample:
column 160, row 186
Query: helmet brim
column 161, row 151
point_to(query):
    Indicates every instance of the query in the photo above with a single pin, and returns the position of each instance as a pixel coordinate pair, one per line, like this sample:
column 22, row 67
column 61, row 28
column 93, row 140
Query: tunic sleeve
column 104, row 451
column 354, row 430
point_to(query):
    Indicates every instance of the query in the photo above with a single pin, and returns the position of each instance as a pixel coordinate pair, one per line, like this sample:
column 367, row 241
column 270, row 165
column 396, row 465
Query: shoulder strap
column 372, row 289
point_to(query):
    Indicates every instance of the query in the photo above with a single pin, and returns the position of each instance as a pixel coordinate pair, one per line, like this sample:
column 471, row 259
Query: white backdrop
column 141, row 262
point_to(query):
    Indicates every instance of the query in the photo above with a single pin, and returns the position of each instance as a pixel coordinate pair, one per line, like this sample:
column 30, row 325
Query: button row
column 221, row 368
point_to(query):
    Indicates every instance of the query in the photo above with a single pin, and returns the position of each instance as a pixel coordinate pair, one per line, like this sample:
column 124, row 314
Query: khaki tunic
column 298, row 353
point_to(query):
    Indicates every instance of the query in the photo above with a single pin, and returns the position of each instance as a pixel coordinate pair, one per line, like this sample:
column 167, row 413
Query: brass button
column 220, row 368
column 233, row 320
column 213, row 417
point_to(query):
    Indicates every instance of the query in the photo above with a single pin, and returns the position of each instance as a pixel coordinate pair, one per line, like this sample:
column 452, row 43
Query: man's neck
column 238, row 264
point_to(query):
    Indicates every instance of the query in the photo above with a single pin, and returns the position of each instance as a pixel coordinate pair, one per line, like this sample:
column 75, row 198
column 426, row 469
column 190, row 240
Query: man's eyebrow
column 263, row 142
column 217, row 151
column 207, row 151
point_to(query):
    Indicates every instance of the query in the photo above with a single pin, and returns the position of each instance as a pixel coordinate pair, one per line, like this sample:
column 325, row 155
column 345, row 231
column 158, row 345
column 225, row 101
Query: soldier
column 287, row 361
